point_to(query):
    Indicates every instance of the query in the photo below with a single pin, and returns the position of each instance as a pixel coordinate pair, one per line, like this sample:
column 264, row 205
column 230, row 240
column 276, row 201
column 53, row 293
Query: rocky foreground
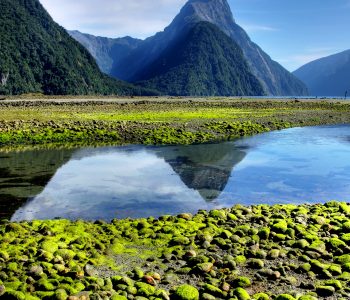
column 282, row 252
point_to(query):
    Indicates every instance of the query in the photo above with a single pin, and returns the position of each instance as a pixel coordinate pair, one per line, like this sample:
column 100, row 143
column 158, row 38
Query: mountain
column 38, row 55
column 202, row 62
column 273, row 77
column 328, row 76
column 106, row 51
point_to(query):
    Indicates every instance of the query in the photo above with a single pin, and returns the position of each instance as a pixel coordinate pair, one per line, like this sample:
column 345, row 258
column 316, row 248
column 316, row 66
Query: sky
column 292, row 32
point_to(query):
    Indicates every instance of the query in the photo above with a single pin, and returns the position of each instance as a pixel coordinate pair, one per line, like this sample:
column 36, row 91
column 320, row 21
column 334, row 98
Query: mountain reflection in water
column 118, row 182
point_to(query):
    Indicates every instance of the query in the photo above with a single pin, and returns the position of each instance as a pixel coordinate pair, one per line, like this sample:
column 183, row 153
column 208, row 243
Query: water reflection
column 292, row 166
column 134, row 181
column 25, row 174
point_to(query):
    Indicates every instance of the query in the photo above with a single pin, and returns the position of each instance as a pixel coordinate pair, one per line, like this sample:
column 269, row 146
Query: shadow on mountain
column 205, row 168
column 24, row 175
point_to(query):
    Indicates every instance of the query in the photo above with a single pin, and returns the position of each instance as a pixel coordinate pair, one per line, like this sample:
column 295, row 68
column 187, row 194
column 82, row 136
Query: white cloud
column 114, row 18
column 293, row 62
column 255, row 27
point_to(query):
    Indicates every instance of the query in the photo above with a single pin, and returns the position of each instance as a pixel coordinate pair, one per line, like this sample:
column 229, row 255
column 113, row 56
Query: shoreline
column 153, row 121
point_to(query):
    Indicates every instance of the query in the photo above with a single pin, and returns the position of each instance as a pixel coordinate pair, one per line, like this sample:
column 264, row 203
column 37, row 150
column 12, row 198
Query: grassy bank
column 280, row 252
column 157, row 121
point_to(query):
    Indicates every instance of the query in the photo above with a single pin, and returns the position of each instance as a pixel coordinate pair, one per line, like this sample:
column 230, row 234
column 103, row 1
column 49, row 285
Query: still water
column 296, row 165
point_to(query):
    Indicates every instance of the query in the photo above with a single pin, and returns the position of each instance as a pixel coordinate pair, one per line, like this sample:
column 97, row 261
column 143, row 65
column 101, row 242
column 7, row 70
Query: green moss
column 145, row 289
column 261, row 296
column 61, row 294
column 118, row 297
column 240, row 259
column 241, row 294
column 280, row 227
column 49, row 246
column 242, row 281
column 334, row 283
column 186, row 292
column 285, row 297
column 344, row 259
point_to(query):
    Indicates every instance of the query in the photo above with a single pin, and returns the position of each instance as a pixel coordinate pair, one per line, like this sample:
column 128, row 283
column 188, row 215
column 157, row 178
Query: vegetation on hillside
column 202, row 62
column 38, row 56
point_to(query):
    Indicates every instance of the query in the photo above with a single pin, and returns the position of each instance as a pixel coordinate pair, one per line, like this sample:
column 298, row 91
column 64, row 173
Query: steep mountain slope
column 106, row 51
column 274, row 78
column 328, row 76
column 37, row 55
column 203, row 62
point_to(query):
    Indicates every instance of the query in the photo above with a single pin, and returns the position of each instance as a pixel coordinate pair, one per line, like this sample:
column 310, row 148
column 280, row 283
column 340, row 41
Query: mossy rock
column 285, row 297
column 261, row 296
column 180, row 240
column 344, row 259
column 118, row 297
column 307, row 297
column 61, row 294
column 240, row 259
column 325, row 291
column 49, row 246
column 242, row 282
column 335, row 283
column 145, row 289
column 280, row 227
column 218, row 214
column 241, row 294
column 14, row 295
column 255, row 263
column 186, row 292
column 213, row 290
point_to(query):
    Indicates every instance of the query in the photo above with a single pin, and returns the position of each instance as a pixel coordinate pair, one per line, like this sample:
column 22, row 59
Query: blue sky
column 292, row 32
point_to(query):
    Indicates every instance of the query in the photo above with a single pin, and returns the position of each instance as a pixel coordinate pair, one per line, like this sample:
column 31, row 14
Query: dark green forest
column 202, row 62
column 38, row 56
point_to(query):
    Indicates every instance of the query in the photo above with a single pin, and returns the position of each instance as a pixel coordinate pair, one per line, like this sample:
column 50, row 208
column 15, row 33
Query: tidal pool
column 298, row 165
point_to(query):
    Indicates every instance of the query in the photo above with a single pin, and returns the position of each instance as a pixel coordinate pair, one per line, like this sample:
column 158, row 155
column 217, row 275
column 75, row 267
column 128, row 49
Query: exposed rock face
column 328, row 76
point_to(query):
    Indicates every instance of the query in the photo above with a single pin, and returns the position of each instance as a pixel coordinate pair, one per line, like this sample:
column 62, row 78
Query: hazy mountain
column 38, row 55
column 202, row 62
column 106, row 51
column 328, row 76
column 274, row 78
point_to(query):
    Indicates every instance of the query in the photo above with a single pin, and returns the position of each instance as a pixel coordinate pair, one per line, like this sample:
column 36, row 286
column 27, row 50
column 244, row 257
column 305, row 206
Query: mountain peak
column 217, row 12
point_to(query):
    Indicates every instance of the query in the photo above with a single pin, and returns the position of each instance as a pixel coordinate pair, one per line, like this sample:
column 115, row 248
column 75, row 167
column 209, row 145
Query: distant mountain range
column 38, row 56
column 141, row 63
column 107, row 51
column 328, row 76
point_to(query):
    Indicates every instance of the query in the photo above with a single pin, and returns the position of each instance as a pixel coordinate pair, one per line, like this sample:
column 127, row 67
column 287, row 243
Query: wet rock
column 241, row 294
column 255, row 263
column 150, row 280
column 205, row 267
column 185, row 216
column 2, row 290
column 36, row 271
column 285, row 297
column 325, row 291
